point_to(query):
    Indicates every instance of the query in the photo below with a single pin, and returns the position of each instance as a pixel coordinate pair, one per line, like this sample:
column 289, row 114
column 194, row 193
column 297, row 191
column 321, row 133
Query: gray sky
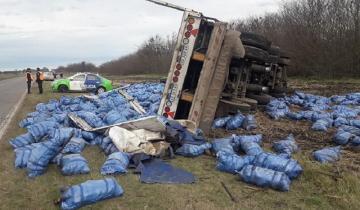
column 57, row 32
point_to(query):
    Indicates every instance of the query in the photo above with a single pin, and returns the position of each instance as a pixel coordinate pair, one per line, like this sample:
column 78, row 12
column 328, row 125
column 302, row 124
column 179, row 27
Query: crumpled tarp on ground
column 90, row 192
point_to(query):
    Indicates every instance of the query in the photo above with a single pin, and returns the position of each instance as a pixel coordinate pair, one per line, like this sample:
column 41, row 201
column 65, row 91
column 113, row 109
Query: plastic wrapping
column 220, row 122
column 75, row 145
column 226, row 145
column 328, row 154
column 22, row 155
column 235, row 122
column 189, row 150
column 289, row 166
column 41, row 155
column 231, row 163
column 286, row 146
column 116, row 163
column 74, row 164
column 90, row 192
column 249, row 123
column 264, row 177
column 343, row 137
column 39, row 130
column 22, row 140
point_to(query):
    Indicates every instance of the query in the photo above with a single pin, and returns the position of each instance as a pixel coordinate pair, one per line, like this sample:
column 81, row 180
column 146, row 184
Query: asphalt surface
column 11, row 91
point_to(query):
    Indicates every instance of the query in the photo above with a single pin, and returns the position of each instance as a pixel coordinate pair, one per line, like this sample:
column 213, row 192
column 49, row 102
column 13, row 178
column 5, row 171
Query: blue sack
column 235, row 122
column 93, row 120
column 343, row 137
column 89, row 192
column 89, row 136
column 286, row 146
column 116, row 163
column 322, row 124
column 22, row 140
column 189, row 150
column 254, row 138
column 289, row 166
column 39, row 130
column 220, row 122
column 231, row 163
column 251, row 147
column 351, row 129
column 114, row 117
column 328, row 154
column 61, row 136
column 75, row 145
column 74, row 164
column 40, row 157
column 264, row 177
column 22, row 155
column 294, row 115
column 249, row 123
column 355, row 123
column 340, row 121
column 225, row 145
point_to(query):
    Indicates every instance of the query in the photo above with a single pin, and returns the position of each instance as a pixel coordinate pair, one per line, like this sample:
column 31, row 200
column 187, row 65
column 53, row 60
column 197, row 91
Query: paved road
column 11, row 91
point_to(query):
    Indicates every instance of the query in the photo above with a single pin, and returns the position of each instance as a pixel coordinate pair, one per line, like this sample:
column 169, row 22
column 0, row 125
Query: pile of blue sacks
column 336, row 111
column 256, row 166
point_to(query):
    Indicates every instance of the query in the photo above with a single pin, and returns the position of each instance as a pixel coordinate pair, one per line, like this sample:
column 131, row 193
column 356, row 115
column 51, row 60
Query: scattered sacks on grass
column 74, row 164
column 264, row 177
column 342, row 137
column 328, row 154
column 116, row 163
column 89, row 192
column 225, row 145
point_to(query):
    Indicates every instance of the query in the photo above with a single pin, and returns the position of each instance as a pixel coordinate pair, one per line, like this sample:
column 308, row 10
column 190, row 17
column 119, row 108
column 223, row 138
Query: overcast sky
column 57, row 32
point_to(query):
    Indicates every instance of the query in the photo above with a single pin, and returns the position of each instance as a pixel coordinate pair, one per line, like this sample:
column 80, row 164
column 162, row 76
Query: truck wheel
column 255, row 53
column 100, row 90
column 262, row 99
column 63, row 89
column 255, row 40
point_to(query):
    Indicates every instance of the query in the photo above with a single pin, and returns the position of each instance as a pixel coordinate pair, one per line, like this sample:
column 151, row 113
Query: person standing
column 39, row 80
column 29, row 79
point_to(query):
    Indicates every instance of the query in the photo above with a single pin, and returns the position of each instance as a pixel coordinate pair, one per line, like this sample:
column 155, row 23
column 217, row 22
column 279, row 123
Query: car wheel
column 63, row 89
column 100, row 90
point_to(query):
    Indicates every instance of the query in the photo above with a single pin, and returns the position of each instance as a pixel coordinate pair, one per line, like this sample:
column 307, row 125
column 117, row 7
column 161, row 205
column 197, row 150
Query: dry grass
column 320, row 187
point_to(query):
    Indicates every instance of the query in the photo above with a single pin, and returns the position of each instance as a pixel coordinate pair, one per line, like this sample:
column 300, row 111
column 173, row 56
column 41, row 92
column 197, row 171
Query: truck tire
column 256, row 54
column 262, row 99
column 255, row 40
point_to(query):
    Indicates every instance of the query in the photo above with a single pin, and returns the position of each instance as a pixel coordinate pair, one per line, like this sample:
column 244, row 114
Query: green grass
column 320, row 187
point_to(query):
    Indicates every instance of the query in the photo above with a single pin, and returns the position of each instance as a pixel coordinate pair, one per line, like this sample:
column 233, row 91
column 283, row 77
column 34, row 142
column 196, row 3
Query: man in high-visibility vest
column 39, row 79
column 29, row 79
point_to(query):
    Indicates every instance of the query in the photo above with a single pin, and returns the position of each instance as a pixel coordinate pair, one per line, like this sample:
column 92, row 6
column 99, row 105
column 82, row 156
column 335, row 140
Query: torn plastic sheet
column 264, row 177
column 74, row 164
column 116, row 163
column 328, row 154
column 89, row 192
column 158, row 171
column 232, row 163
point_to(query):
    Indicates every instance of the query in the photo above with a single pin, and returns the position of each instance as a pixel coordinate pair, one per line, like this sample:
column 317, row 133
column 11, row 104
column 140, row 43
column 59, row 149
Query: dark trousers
column 29, row 86
column 40, row 83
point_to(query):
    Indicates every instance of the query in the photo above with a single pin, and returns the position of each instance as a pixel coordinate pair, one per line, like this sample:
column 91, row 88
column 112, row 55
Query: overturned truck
column 216, row 71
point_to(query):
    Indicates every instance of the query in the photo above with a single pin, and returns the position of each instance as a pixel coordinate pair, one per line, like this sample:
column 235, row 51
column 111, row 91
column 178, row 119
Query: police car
column 83, row 82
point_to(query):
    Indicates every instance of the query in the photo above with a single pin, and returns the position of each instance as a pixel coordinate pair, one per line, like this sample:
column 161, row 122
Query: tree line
column 321, row 36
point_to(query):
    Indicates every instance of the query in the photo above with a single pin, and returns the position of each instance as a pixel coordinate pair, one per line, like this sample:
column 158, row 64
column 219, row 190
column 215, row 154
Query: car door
column 92, row 82
column 77, row 83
